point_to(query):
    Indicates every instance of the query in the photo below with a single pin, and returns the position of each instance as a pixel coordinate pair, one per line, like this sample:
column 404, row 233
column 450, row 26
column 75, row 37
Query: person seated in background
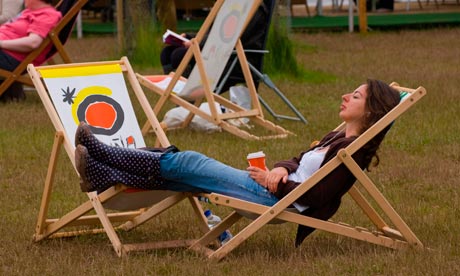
column 9, row 9
column 21, row 36
column 101, row 166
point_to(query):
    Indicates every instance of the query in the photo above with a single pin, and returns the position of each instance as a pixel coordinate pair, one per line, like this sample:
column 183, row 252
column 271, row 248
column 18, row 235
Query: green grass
column 148, row 46
column 281, row 61
column 418, row 174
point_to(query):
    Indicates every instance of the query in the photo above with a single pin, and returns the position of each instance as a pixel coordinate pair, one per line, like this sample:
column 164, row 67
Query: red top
column 39, row 22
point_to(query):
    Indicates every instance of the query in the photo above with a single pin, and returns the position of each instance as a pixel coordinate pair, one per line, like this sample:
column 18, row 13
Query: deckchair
column 396, row 237
column 225, row 22
column 232, row 77
column 57, row 37
column 73, row 93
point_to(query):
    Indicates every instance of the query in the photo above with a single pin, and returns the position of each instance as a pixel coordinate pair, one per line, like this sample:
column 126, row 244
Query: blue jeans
column 190, row 171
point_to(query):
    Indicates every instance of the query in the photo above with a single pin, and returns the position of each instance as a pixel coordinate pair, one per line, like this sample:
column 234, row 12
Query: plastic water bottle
column 212, row 221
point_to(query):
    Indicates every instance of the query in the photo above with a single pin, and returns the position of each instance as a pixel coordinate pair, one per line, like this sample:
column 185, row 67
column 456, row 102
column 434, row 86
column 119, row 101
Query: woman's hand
column 187, row 43
column 268, row 179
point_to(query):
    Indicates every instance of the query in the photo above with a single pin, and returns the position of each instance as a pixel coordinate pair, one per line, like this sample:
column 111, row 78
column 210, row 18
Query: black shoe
column 80, row 163
column 14, row 93
column 83, row 133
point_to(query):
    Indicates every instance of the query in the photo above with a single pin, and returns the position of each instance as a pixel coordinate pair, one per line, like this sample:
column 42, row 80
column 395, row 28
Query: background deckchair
column 255, row 57
column 57, row 37
column 70, row 91
column 225, row 22
column 401, row 236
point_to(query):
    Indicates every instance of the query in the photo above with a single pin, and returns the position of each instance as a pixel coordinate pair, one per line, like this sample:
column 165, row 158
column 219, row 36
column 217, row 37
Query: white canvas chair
column 225, row 23
column 396, row 235
column 256, row 63
column 72, row 93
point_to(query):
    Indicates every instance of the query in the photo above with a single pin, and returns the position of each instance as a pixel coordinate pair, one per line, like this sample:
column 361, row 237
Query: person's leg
column 177, row 55
column 176, row 58
column 192, row 171
column 97, row 176
column 182, row 171
column 165, row 59
column 15, row 91
column 137, row 162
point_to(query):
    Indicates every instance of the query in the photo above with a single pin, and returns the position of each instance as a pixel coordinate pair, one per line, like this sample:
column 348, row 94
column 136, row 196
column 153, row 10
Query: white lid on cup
column 256, row 155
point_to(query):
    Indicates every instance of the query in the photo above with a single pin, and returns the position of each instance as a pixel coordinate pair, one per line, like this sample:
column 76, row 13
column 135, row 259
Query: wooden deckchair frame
column 399, row 237
column 53, row 37
column 220, row 119
column 54, row 228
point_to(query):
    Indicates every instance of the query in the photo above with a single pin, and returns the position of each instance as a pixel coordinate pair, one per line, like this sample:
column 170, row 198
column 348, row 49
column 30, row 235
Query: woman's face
column 353, row 105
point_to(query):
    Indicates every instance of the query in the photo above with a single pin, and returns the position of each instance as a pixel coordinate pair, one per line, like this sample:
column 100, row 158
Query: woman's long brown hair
column 381, row 98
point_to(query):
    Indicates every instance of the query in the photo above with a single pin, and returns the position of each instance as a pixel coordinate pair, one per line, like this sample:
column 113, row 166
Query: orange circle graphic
column 101, row 114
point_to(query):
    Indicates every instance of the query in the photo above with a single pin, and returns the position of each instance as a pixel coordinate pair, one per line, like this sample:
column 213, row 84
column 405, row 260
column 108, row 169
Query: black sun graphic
column 68, row 95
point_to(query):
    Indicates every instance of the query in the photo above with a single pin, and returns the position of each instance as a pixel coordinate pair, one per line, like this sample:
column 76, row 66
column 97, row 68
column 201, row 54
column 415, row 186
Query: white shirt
column 310, row 163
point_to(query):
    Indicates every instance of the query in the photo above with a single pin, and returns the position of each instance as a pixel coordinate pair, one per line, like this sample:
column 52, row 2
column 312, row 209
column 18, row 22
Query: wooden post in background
column 362, row 16
column 120, row 30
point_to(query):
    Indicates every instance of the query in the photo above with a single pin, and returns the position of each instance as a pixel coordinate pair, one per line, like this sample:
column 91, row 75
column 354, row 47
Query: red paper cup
column 257, row 159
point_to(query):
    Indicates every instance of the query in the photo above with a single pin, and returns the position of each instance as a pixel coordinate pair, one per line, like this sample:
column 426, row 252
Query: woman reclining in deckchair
column 101, row 166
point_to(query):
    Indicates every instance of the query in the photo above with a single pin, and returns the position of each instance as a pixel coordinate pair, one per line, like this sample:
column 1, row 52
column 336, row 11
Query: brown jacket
column 324, row 198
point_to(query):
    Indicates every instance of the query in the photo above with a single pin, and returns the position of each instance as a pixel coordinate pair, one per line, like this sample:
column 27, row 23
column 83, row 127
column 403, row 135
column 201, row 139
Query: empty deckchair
column 97, row 94
column 225, row 23
column 396, row 235
column 53, row 43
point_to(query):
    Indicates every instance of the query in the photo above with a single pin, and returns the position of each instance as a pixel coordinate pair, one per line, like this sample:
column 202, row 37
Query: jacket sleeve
column 190, row 35
column 323, row 214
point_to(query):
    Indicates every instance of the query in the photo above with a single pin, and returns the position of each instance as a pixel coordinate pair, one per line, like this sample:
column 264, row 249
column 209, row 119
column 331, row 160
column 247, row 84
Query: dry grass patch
column 419, row 171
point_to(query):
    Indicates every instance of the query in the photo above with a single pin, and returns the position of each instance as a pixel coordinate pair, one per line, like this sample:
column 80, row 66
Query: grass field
column 419, row 171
